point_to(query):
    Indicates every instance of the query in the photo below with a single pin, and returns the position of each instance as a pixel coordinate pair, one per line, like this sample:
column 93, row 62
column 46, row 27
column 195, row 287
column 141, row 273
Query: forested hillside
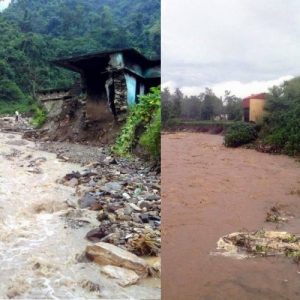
column 36, row 31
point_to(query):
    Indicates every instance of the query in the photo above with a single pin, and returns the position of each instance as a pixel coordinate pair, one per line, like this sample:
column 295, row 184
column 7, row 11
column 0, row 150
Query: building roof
column 262, row 96
column 100, row 59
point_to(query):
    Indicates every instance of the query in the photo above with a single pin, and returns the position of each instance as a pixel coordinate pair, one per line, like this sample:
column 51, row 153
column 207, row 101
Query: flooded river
column 210, row 191
column 41, row 237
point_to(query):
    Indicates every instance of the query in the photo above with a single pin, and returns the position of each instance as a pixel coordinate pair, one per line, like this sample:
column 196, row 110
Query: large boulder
column 124, row 277
column 108, row 254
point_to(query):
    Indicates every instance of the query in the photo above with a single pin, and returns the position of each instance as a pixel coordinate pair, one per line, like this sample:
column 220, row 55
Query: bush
column 281, row 126
column 142, row 119
column 150, row 139
column 239, row 134
column 39, row 118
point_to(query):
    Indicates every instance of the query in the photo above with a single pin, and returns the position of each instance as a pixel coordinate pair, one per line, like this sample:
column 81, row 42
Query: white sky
column 244, row 46
column 4, row 4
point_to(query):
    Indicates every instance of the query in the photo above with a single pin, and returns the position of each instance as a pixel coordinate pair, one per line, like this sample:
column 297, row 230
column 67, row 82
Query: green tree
column 233, row 107
column 166, row 106
column 281, row 126
column 177, row 103
column 212, row 106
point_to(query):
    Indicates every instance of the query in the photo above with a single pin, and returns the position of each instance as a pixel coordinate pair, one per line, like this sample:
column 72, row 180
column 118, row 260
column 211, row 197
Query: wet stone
column 123, row 276
column 102, row 216
column 112, row 187
column 96, row 235
column 152, row 197
column 87, row 201
column 107, row 254
column 144, row 218
column 73, row 182
column 145, row 204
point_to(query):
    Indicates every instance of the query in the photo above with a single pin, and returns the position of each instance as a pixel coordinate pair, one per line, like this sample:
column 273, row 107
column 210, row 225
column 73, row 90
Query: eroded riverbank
column 40, row 243
column 210, row 191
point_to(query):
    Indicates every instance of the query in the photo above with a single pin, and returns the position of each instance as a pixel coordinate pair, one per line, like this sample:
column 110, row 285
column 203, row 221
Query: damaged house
column 111, row 81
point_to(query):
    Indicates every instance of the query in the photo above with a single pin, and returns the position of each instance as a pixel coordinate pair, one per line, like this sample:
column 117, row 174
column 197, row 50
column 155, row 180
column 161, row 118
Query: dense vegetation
column 36, row 31
column 281, row 125
column 240, row 133
column 91, row 25
column 142, row 127
column 206, row 106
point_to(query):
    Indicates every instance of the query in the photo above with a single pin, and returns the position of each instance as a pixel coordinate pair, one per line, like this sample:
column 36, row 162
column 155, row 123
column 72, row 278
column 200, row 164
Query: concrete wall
column 53, row 108
column 256, row 109
column 131, row 83
column 116, row 60
column 52, row 95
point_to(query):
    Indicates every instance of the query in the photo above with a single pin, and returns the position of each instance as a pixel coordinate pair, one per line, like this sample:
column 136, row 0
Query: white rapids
column 39, row 247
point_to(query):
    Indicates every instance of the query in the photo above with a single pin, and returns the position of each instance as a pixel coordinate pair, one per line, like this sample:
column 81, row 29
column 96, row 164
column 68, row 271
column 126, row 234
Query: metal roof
column 70, row 62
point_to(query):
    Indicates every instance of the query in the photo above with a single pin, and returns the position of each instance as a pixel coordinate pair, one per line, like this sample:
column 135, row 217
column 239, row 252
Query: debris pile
column 277, row 214
column 260, row 243
column 9, row 124
column 126, row 196
column 70, row 124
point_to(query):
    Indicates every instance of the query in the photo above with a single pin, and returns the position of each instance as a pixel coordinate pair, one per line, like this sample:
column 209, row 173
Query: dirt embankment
column 211, row 191
column 201, row 126
column 70, row 124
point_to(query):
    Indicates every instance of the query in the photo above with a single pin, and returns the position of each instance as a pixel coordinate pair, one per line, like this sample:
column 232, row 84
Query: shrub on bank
column 142, row 126
column 39, row 118
column 150, row 139
column 281, row 126
column 240, row 133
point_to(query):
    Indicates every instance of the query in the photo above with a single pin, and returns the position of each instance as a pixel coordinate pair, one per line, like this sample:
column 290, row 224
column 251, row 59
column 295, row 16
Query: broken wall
column 53, row 107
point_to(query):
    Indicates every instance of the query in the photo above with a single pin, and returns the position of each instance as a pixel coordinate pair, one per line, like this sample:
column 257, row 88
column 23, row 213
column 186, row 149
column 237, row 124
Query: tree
column 166, row 106
column 211, row 105
column 177, row 103
column 10, row 92
column 233, row 107
column 281, row 126
column 34, row 32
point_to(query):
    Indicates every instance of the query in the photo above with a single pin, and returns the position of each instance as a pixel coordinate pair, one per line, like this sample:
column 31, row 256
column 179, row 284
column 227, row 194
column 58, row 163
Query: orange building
column 253, row 107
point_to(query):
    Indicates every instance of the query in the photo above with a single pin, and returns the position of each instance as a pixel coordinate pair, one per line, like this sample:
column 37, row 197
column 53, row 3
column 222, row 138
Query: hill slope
column 36, row 31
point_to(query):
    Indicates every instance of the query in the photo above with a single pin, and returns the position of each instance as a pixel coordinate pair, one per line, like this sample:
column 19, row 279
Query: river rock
column 152, row 197
column 96, row 234
column 108, row 254
column 127, row 210
column 155, row 266
column 134, row 207
column 111, row 187
column 126, row 196
column 144, row 218
column 123, row 276
column 73, row 182
column 109, row 160
column 87, row 200
column 145, row 204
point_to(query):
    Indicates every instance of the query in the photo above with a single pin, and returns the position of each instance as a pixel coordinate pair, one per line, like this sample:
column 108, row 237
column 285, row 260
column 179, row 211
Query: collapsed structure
column 111, row 82
column 253, row 107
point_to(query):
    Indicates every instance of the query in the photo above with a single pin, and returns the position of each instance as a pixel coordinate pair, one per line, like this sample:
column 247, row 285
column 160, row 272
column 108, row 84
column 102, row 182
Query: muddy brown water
column 210, row 191
column 39, row 246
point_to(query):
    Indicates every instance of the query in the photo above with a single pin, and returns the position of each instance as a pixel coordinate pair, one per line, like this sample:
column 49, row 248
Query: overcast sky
column 3, row 4
column 244, row 46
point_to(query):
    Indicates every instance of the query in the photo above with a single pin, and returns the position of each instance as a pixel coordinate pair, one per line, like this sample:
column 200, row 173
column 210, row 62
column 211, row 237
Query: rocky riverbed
column 77, row 223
